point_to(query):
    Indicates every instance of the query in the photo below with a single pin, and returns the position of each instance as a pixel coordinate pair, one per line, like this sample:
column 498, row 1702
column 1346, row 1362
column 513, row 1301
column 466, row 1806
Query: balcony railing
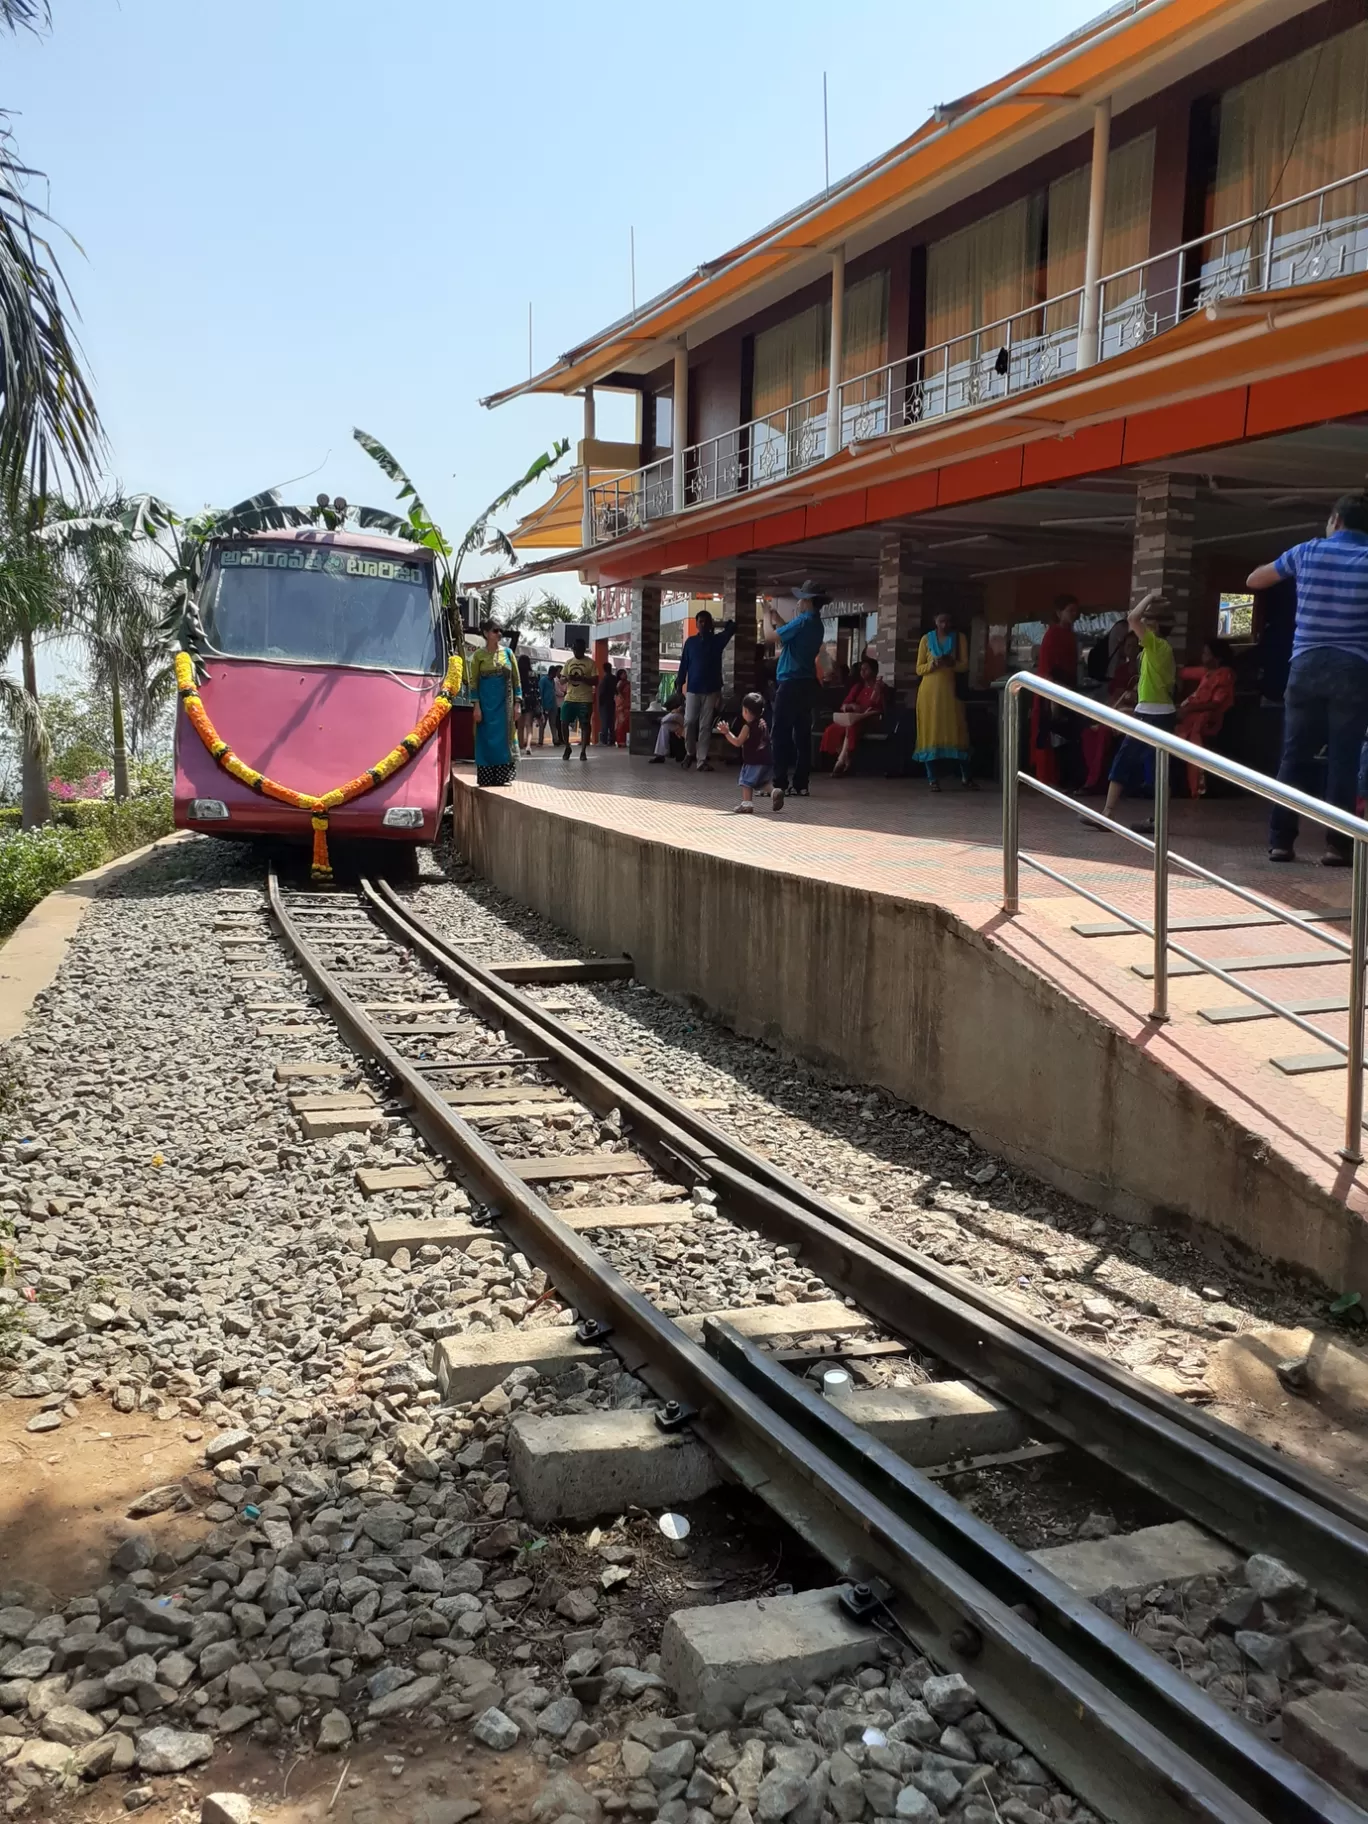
column 1322, row 234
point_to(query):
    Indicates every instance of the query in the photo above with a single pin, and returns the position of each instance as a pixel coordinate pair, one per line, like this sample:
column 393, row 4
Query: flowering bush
column 94, row 785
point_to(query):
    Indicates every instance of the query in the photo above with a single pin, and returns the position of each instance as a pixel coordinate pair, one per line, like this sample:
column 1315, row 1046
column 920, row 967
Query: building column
column 835, row 352
column 1090, row 318
column 680, row 410
column 1161, row 554
column 645, row 661
column 741, row 603
column 900, row 612
column 586, row 506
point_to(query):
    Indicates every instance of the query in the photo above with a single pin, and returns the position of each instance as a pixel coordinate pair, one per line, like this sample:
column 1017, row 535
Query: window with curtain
column 790, row 361
column 985, row 272
column 1300, row 125
column 1125, row 233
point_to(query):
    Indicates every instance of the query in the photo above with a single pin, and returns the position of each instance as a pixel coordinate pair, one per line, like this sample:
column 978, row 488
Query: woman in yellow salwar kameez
column 942, row 726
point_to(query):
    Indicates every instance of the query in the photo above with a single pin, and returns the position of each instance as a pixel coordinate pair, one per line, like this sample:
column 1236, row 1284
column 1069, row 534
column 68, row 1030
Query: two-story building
column 1099, row 326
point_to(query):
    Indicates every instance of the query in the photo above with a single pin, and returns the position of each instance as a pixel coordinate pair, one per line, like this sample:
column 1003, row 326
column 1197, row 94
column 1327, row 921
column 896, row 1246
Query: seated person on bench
column 863, row 702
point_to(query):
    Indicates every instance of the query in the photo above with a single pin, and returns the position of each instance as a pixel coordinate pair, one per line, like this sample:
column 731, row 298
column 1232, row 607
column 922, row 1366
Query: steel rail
column 1268, row 1778
column 1116, row 1760
column 1070, row 1389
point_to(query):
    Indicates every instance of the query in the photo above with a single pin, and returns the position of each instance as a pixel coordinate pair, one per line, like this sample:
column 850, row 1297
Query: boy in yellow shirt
column 577, row 674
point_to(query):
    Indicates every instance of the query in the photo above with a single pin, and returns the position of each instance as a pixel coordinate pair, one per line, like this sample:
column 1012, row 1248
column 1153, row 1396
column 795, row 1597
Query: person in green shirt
column 1133, row 768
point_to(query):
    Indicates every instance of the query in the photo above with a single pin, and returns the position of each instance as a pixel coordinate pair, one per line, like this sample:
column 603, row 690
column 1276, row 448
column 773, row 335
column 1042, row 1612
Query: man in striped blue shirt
column 1326, row 701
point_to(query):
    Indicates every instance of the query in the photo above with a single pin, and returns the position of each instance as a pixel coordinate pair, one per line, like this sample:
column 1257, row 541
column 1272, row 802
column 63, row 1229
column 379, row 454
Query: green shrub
column 10, row 817
column 87, row 832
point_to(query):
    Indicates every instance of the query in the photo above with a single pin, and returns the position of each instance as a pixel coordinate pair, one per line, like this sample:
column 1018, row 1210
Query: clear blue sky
column 297, row 217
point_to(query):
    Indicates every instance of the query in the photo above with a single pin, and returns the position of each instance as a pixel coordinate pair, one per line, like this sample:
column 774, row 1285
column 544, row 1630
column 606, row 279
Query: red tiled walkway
column 896, row 837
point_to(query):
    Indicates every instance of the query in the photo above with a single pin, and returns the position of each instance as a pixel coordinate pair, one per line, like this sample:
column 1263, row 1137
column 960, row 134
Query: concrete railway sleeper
column 1132, row 1738
column 1253, row 1496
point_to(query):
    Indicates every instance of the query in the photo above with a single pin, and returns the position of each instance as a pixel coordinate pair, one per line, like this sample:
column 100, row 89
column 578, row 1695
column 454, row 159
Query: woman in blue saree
column 492, row 678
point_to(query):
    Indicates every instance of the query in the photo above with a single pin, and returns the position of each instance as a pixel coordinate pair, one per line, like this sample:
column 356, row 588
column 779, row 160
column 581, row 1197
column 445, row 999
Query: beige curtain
column 1125, row 234
column 985, row 272
column 791, row 359
column 864, row 327
column 1299, row 125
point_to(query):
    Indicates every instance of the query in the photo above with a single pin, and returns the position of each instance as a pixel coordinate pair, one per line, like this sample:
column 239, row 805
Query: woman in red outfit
column 622, row 717
column 1201, row 714
column 1054, row 730
column 865, row 699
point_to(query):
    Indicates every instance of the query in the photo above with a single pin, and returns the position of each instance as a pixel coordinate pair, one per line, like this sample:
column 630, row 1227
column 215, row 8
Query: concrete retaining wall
column 906, row 995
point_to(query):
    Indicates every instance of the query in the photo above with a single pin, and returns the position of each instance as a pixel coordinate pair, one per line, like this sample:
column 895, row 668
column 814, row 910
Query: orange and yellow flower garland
column 319, row 806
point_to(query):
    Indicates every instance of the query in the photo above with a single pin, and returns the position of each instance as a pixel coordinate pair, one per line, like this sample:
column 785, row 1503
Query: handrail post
column 1011, row 796
column 1358, row 940
column 1161, row 870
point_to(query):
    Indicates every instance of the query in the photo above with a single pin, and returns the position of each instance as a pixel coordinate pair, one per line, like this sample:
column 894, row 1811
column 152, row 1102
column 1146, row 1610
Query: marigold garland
column 319, row 805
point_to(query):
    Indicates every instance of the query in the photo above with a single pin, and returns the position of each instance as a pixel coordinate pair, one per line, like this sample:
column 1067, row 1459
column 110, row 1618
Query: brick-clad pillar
column 1161, row 554
column 900, row 612
column 740, row 603
column 645, row 663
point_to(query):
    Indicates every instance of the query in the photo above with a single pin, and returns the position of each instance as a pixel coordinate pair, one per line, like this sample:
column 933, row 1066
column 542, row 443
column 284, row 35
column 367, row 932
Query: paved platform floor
column 899, row 838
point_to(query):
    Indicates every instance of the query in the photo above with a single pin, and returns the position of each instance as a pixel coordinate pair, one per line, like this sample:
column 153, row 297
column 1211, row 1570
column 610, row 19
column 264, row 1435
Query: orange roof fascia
column 1091, row 68
column 1255, row 345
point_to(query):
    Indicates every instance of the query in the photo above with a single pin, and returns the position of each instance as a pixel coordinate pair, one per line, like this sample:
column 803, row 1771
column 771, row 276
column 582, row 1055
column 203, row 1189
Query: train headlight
column 208, row 810
column 403, row 817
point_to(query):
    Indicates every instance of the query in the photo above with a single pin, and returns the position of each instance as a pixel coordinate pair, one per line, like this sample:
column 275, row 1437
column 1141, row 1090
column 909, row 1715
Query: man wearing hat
column 800, row 640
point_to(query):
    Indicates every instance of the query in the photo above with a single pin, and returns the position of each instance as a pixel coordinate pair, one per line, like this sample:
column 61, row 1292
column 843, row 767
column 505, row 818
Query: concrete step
column 371, row 1180
column 468, row 1366
column 578, row 1165
column 320, row 1102
column 386, row 1235
column 1137, row 1561
column 311, row 1067
column 504, row 1092
column 584, row 1464
column 587, row 969
column 934, row 1423
column 717, row 1655
column 478, row 1112
column 328, row 1122
column 588, row 1217
column 827, row 1316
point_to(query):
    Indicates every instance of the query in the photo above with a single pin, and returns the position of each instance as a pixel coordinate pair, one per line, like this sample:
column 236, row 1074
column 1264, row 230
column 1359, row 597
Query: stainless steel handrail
column 1167, row 748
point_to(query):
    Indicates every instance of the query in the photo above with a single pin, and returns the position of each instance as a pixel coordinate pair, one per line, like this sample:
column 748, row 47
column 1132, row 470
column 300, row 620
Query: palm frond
column 25, row 716
column 390, row 464
column 49, row 429
column 479, row 532
column 25, row 15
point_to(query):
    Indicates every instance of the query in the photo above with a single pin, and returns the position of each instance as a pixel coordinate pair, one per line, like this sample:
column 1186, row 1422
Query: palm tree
column 49, row 430
column 32, row 608
column 116, row 606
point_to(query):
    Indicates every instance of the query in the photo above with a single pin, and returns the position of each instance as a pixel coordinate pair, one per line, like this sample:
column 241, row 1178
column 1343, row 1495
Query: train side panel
column 312, row 728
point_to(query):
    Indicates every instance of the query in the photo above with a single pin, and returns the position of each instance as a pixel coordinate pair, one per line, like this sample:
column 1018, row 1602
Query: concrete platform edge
column 36, row 948
column 902, row 993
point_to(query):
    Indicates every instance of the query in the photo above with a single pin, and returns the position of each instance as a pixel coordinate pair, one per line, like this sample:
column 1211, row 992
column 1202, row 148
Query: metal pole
column 587, row 505
column 1358, row 938
column 1161, row 869
column 681, row 420
column 833, row 423
column 1090, row 319
column 1011, row 796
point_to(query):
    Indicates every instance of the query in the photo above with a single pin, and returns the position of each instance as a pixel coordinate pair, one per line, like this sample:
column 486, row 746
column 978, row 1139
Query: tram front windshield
column 320, row 606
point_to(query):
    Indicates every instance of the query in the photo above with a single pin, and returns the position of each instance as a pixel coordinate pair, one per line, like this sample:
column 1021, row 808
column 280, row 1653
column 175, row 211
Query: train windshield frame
column 321, row 605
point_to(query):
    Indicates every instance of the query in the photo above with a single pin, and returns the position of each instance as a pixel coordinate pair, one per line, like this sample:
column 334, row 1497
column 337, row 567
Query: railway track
column 1123, row 1729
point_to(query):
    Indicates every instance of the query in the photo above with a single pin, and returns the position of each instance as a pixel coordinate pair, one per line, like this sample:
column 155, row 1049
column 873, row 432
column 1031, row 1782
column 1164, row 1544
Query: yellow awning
column 557, row 524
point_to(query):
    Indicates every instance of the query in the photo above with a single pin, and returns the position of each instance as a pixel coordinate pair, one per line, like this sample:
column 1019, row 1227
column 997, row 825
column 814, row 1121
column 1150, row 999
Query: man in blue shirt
column 1326, row 700
column 795, row 694
column 700, row 672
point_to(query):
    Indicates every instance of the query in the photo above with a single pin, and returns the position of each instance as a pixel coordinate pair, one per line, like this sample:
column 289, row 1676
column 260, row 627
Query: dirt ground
column 64, row 1494
column 402, row 1776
